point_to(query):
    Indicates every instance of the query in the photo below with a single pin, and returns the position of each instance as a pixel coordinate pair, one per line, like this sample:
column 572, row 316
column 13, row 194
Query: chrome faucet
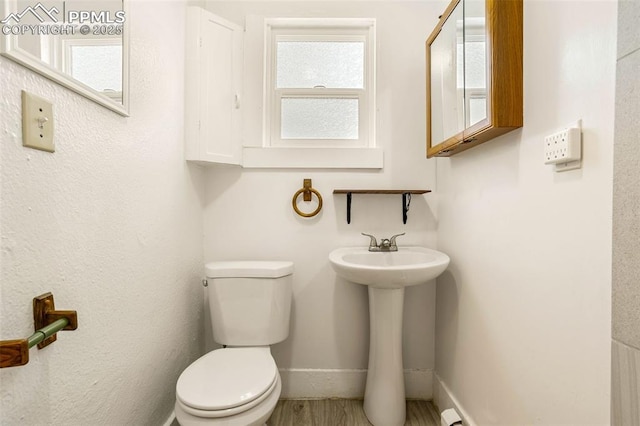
column 386, row 244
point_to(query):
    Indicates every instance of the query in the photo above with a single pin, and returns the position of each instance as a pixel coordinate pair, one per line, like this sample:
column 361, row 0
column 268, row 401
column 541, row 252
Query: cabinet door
column 213, row 88
column 475, row 63
column 446, row 79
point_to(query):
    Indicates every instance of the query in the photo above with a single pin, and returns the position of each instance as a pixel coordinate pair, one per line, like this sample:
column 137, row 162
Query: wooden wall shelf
column 406, row 197
column 381, row 191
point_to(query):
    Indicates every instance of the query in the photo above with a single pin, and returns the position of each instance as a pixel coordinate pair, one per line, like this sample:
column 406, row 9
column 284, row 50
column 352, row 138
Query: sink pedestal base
column 384, row 397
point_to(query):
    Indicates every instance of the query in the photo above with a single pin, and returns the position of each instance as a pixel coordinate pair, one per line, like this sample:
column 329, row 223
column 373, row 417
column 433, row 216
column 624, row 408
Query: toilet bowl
column 231, row 387
column 250, row 304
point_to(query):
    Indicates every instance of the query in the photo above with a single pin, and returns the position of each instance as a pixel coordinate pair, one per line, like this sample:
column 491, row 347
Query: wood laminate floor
column 342, row 412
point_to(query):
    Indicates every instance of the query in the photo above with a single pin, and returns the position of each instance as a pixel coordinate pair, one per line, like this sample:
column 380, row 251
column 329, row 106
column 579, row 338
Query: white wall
column 523, row 319
column 248, row 213
column 111, row 223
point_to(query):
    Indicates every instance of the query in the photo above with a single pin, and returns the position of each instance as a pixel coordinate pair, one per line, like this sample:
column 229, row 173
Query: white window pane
column 477, row 110
column 99, row 67
column 319, row 118
column 332, row 64
column 475, row 65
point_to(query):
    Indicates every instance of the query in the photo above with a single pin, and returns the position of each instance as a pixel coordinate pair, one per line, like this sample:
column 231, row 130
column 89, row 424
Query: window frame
column 312, row 29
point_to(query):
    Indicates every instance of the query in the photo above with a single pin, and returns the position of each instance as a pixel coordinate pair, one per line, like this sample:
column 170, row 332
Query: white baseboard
column 170, row 419
column 346, row 383
column 443, row 398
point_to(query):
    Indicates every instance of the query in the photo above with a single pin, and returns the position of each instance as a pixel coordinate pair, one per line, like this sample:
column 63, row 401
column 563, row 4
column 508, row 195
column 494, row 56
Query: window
column 320, row 83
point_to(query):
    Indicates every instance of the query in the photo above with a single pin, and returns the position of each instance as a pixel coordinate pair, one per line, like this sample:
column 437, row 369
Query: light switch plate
column 37, row 122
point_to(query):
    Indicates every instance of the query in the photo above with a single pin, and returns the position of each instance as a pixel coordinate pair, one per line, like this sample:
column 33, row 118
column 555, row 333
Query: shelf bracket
column 406, row 202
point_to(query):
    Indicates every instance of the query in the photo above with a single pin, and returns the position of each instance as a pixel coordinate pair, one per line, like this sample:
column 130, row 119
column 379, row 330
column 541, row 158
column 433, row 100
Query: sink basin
column 406, row 267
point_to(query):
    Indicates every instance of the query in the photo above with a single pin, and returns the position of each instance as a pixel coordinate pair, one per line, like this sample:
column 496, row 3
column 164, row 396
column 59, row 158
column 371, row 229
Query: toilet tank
column 249, row 301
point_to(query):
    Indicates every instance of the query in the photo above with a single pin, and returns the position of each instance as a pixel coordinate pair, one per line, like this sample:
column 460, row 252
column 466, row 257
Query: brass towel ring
column 307, row 190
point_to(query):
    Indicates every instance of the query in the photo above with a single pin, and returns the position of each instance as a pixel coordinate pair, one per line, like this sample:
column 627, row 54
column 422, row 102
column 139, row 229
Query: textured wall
column 626, row 225
column 111, row 223
column 329, row 328
column 523, row 313
column 626, row 192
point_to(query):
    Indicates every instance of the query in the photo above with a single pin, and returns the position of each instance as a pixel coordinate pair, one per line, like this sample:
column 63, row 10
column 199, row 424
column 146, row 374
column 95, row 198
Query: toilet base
column 256, row 416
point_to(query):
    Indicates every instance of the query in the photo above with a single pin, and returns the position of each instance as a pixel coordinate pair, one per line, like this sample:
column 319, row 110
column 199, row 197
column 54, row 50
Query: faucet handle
column 392, row 240
column 373, row 242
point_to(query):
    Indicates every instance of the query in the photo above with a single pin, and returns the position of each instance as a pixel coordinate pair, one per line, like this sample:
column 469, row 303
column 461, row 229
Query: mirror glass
column 475, row 59
column 447, row 78
column 80, row 44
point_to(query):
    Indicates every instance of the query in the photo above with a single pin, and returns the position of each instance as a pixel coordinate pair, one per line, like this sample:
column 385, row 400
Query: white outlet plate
column 564, row 149
column 37, row 122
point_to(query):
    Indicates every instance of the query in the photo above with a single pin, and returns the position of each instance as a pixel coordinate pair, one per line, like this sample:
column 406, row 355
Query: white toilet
column 250, row 305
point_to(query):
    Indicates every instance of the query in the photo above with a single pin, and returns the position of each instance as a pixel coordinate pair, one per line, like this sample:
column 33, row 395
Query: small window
column 320, row 83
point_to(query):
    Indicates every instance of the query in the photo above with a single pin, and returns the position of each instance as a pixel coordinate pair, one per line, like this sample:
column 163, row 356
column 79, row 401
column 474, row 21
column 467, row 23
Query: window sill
column 321, row 158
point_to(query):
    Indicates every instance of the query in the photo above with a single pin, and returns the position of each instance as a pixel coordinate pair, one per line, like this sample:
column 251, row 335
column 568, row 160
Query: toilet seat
column 229, row 411
column 227, row 381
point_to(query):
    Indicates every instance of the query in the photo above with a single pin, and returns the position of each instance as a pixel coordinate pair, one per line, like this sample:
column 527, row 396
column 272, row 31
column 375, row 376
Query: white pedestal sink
column 387, row 274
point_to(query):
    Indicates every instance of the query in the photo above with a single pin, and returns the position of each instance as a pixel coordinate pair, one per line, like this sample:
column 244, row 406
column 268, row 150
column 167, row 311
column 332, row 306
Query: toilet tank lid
column 249, row 269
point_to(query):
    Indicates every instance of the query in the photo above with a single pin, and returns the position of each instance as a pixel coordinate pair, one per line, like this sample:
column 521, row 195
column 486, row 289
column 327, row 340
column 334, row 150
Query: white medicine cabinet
column 213, row 99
